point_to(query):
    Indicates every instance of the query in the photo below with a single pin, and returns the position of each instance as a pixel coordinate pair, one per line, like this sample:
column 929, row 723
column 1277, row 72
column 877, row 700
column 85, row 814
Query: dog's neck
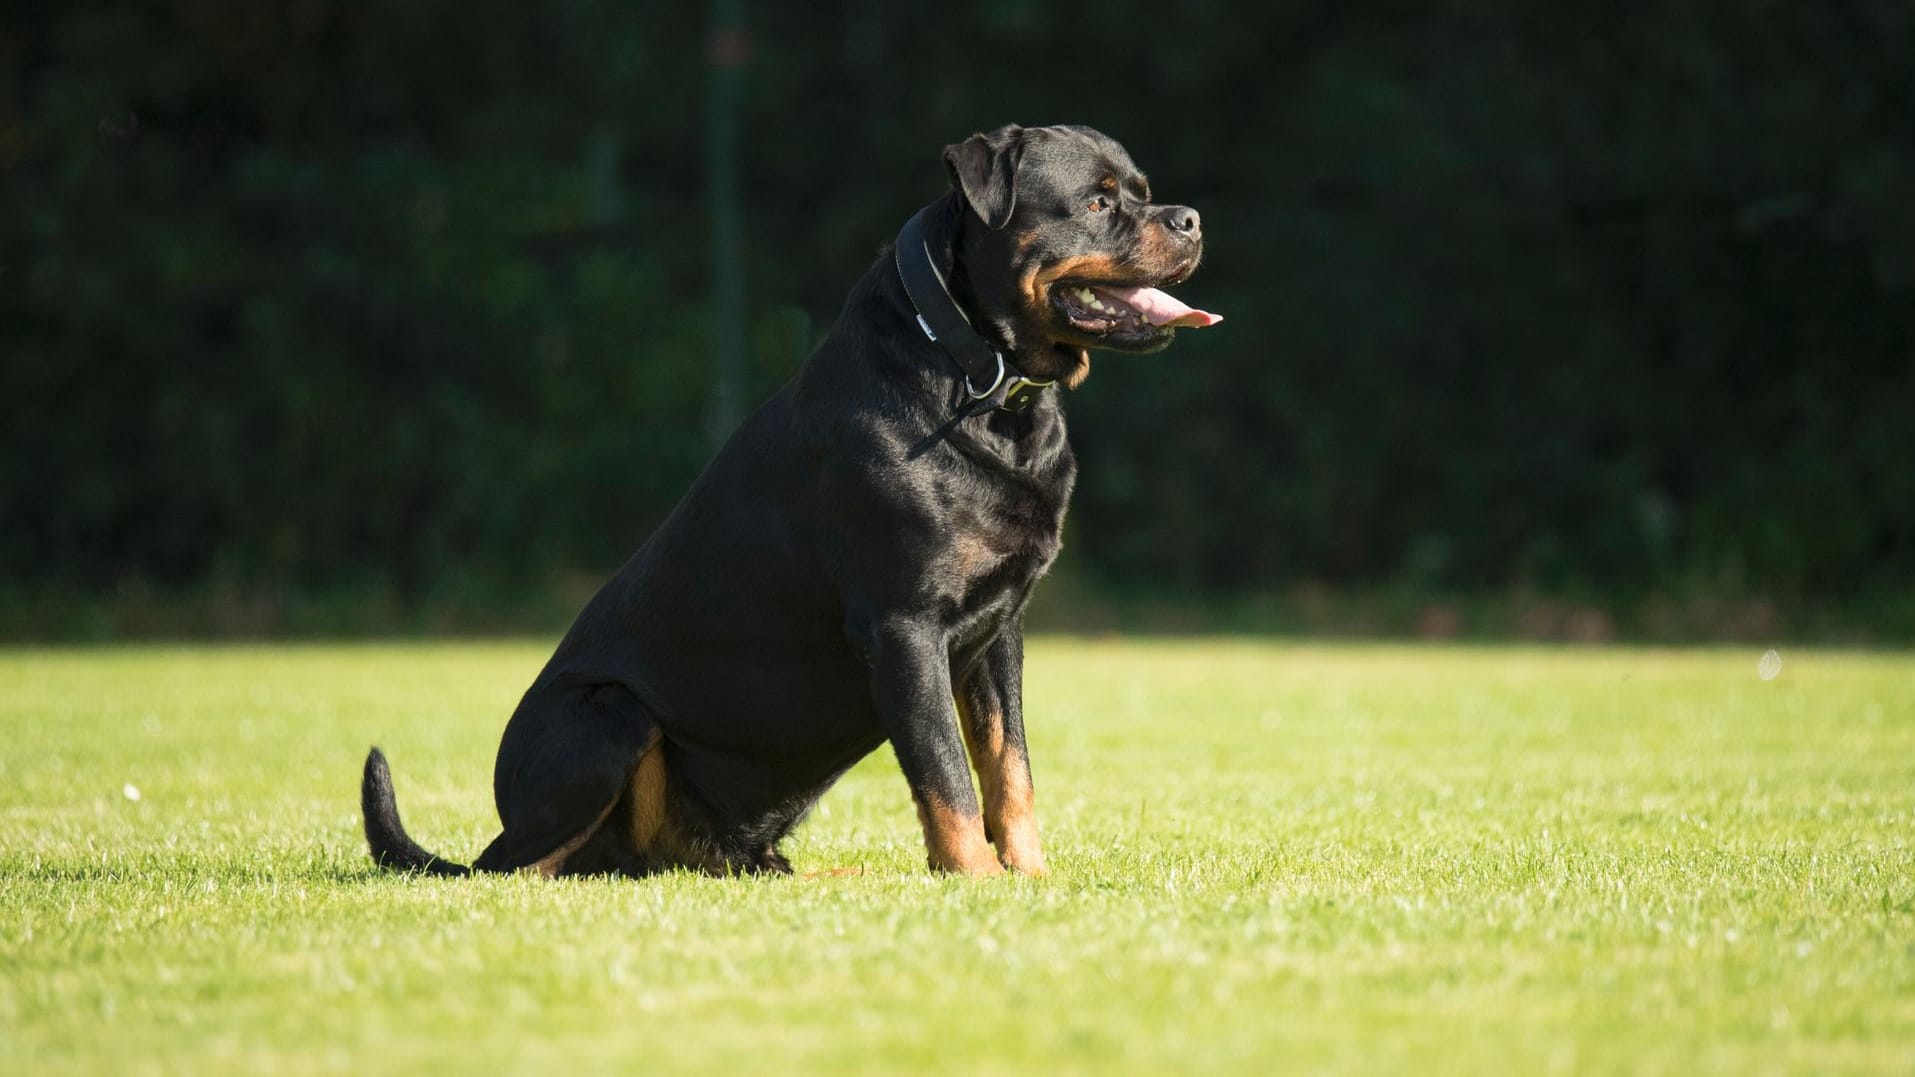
column 957, row 237
column 927, row 263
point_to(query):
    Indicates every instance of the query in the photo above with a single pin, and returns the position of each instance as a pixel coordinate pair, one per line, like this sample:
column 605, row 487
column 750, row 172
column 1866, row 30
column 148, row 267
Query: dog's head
column 1064, row 250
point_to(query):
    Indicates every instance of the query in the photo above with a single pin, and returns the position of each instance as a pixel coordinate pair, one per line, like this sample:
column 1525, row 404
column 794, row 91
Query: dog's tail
column 385, row 835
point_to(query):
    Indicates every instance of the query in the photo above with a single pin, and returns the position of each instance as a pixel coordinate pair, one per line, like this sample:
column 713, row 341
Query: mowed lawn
column 1267, row 856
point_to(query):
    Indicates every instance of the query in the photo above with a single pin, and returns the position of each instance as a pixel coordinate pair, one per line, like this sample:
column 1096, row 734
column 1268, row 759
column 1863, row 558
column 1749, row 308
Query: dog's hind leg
column 566, row 761
column 632, row 838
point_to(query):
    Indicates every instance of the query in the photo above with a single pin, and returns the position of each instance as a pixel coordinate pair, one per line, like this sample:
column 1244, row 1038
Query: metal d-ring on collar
column 989, row 389
column 944, row 323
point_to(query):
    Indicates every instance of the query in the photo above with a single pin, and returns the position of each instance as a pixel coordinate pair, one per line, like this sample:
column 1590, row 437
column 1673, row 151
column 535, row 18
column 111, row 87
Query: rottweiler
column 857, row 557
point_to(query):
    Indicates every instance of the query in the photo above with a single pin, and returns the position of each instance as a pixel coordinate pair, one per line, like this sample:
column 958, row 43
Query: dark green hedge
column 412, row 295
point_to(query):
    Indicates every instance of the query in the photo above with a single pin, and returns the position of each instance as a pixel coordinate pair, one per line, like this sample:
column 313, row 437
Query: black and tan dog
column 857, row 556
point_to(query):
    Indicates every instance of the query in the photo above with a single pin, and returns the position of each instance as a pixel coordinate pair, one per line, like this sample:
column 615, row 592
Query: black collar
column 989, row 379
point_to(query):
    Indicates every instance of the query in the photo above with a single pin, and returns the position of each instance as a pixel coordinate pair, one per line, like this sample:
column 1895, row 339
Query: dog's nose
column 1184, row 221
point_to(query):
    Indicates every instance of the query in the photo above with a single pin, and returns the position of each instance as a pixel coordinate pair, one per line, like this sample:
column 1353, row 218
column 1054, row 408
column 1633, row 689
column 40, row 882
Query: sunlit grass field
column 1267, row 856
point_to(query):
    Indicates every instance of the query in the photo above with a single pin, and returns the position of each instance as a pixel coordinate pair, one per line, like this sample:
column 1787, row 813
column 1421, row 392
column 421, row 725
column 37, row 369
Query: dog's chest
column 998, row 548
column 1001, row 496
column 980, row 562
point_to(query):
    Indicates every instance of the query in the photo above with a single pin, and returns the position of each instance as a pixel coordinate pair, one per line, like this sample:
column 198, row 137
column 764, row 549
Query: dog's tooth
column 1088, row 296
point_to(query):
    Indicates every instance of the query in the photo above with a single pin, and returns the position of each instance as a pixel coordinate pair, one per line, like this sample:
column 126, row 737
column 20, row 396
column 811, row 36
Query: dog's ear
column 984, row 167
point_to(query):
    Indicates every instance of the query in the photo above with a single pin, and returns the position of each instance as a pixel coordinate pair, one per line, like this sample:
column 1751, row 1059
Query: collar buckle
column 1022, row 393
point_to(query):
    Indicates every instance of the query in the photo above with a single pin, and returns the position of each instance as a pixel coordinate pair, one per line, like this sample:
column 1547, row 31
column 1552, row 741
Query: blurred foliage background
column 347, row 316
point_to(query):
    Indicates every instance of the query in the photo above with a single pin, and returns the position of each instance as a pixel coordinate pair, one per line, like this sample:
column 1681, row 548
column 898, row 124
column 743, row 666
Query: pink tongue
column 1162, row 308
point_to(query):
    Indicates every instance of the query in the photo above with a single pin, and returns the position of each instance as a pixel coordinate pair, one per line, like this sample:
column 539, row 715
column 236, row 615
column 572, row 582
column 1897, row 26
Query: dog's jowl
column 853, row 566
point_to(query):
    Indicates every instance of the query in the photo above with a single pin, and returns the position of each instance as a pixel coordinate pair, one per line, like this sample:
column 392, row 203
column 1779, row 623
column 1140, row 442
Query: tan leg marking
column 955, row 841
column 647, row 819
column 1004, row 776
column 654, row 833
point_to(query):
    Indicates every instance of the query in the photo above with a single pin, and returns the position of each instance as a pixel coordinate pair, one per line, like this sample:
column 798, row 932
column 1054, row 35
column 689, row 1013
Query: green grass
column 1266, row 856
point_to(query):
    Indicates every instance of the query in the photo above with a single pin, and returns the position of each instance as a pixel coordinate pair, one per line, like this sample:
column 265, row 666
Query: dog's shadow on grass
column 189, row 874
column 193, row 873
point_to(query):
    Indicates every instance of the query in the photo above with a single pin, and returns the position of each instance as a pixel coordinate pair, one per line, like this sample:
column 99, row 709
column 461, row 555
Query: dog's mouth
column 1123, row 312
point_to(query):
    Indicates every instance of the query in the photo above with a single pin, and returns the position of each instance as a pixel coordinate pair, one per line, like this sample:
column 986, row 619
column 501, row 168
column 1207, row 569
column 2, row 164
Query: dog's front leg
column 990, row 701
column 911, row 684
